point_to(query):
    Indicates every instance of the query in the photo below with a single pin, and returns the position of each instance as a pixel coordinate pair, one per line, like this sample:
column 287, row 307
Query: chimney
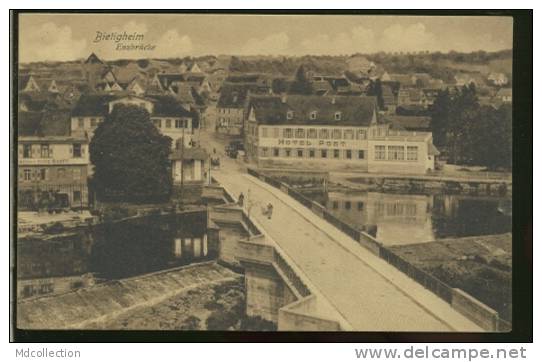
column 332, row 100
column 283, row 98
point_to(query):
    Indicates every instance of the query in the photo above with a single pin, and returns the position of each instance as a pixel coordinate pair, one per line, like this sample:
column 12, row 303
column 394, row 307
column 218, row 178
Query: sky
column 61, row 37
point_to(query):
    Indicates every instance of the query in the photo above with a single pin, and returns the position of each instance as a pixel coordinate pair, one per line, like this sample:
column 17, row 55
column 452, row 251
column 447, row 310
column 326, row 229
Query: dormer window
column 313, row 115
column 289, row 115
column 337, row 116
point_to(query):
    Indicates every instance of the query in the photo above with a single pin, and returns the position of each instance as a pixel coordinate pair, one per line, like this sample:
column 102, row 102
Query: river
column 406, row 218
column 81, row 257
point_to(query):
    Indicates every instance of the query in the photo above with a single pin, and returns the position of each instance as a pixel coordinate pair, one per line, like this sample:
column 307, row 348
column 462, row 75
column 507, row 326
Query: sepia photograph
column 245, row 172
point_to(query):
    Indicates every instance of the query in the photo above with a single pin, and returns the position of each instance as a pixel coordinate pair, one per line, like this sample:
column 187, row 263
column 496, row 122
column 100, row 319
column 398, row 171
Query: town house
column 52, row 160
column 168, row 115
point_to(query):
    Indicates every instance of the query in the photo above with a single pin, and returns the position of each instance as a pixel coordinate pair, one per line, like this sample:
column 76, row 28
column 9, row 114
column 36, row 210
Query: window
column 412, row 153
column 27, row 175
column 361, row 154
column 27, row 151
column 28, row 291
column 396, row 153
column 264, row 151
column 337, row 116
column 324, row 153
column 289, row 115
column 77, row 196
column 61, row 173
column 380, row 152
column 77, row 150
column 300, row 133
column 348, row 134
column 93, row 122
column 275, row 133
column 324, row 134
column 337, row 134
column 43, row 174
column 276, row 152
column 348, row 154
column 300, row 152
column 311, row 153
column 287, row 133
column 44, row 151
column 81, row 122
column 313, row 115
column 335, row 205
column 157, row 122
column 264, row 131
column 46, row 288
column 288, row 152
column 347, row 205
column 168, row 123
column 336, row 153
column 76, row 174
column 361, row 134
column 360, row 205
column 311, row 133
column 179, row 123
column 411, row 210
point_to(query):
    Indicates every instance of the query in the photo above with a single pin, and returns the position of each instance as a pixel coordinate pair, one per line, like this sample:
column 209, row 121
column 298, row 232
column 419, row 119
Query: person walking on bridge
column 269, row 211
column 241, row 199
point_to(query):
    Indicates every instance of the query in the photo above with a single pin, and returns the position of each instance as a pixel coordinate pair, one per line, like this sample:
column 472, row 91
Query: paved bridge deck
column 369, row 293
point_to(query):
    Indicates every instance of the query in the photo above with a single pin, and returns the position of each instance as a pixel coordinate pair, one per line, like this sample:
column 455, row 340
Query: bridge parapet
column 287, row 297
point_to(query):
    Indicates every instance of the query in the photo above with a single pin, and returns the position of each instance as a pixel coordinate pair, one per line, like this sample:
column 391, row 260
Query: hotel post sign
column 316, row 143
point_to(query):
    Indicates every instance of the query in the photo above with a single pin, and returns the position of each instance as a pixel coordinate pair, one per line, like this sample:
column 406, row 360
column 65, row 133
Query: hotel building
column 333, row 133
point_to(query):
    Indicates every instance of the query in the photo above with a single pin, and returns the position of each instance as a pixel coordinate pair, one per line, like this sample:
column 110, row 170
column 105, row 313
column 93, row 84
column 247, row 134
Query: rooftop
column 352, row 110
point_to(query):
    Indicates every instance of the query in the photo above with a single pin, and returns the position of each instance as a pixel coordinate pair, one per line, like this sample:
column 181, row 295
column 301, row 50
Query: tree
column 375, row 89
column 279, row 85
column 490, row 138
column 301, row 84
column 472, row 134
column 465, row 111
column 130, row 158
column 236, row 65
column 451, row 114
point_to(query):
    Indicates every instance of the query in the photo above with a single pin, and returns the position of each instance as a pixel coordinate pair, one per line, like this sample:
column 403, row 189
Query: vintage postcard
column 263, row 172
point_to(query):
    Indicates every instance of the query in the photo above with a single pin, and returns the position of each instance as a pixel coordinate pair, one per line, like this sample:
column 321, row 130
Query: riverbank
column 479, row 265
column 423, row 183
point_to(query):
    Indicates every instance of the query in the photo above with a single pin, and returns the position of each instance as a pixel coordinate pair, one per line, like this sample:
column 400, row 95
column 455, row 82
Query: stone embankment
column 95, row 305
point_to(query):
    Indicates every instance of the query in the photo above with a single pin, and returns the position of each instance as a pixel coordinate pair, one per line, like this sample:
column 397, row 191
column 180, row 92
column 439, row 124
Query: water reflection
column 62, row 262
column 395, row 218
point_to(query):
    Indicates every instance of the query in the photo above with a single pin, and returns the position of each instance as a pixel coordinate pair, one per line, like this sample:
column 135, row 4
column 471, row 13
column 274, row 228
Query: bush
column 116, row 213
column 55, row 228
column 257, row 324
column 191, row 323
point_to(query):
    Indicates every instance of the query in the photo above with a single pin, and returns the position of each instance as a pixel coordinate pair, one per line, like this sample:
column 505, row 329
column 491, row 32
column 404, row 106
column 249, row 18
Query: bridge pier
column 266, row 292
column 276, row 292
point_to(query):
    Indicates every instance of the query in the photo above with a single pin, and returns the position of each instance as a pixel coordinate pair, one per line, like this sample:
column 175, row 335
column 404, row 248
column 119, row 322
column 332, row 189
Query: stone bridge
column 306, row 274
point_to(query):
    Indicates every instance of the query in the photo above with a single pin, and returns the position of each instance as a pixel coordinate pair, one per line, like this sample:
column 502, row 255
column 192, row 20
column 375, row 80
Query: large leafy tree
column 472, row 134
column 490, row 138
column 130, row 158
